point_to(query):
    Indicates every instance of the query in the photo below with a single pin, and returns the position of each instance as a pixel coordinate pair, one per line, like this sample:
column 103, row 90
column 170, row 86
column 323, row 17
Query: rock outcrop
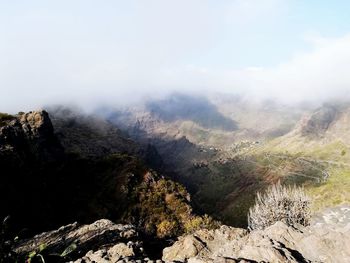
column 326, row 240
column 319, row 121
column 30, row 134
column 58, row 179
column 321, row 242
column 101, row 241
column 29, row 150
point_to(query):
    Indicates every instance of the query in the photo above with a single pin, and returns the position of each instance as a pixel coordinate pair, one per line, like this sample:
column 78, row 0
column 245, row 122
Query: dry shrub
column 280, row 203
column 199, row 222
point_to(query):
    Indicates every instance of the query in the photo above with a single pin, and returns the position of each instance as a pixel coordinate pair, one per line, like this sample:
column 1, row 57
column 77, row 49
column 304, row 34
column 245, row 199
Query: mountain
column 217, row 120
column 302, row 144
column 321, row 137
column 80, row 168
column 89, row 136
column 195, row 109
column 202, row 142
column 322, row 128
column 141, row 166
column 28, row 150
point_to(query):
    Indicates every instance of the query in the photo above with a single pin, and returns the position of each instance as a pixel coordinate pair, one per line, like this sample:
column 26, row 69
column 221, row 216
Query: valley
column 164, row 175
column 224, row 168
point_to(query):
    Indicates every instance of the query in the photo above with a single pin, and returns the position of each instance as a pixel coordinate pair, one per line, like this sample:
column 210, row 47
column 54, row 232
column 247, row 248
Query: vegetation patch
column 164, row 207
column 4, row 118
column 334, row 191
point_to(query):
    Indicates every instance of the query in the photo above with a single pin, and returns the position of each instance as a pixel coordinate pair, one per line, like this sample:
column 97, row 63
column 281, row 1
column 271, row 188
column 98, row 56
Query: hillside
column 321, row 136
column 325, row 129
column 211, row 159
column 217, row 120
column 84, row 172
column 88, row 168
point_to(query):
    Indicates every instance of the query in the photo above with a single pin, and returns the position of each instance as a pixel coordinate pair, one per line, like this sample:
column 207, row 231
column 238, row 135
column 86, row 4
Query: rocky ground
column 336, row 216
column 326, row 240
column 102, row 241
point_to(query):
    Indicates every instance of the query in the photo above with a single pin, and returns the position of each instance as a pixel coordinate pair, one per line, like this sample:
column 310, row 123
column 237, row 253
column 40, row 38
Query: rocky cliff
column 326, row 240
column 28, row 151
column 29, row 135
column 80, row 168
column 278, row 243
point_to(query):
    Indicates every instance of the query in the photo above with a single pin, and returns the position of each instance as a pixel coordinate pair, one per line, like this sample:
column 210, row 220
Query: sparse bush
column 280, row 203
column 199, row 222
column 166, row 228
column 4, row 117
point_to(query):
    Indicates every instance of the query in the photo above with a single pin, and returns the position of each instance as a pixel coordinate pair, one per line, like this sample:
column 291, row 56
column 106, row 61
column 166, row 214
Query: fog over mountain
column 119, row 52
column 174, row 131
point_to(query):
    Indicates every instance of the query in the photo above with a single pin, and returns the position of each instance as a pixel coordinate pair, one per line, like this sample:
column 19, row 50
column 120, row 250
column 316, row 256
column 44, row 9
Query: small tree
column 280, row 203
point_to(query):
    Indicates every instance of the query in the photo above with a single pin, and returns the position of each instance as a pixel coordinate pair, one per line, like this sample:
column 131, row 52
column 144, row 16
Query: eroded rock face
column 36, row 123
column 30, row 134
column 326, row 240
column 318, row 123
column 278, row 243
column 28, row 151
column 101, row 240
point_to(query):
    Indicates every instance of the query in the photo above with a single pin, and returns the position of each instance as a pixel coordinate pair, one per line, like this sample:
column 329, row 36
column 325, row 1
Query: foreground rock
column 102, row 241
column 326, row 240
column 278, row 243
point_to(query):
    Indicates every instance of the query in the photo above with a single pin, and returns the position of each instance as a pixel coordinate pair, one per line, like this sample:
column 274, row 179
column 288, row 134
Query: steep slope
column 199, row 150
column 196, row 109
column 322, row 137
column 90, row 136
column 256, row 119
column 28, row 150
column 87, row 135
column 58, row 182
column 326, row 126
column 218, row 120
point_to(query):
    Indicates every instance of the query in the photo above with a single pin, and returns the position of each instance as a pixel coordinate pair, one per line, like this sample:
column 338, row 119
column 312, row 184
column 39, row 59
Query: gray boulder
column 102, row 240
column 278, row 243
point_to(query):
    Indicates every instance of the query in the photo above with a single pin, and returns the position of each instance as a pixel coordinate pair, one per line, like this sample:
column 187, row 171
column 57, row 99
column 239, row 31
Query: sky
column 113, row 51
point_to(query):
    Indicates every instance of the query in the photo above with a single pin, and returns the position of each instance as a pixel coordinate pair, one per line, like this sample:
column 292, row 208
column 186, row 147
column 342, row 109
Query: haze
column 116, row 52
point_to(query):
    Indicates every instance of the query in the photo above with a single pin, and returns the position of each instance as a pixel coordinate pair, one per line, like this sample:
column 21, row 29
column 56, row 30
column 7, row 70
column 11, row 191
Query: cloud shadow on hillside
column 196, row 109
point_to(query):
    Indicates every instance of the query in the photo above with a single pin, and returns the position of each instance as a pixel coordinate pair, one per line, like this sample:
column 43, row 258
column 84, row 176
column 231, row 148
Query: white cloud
column 122, row 52
column 319, row 75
